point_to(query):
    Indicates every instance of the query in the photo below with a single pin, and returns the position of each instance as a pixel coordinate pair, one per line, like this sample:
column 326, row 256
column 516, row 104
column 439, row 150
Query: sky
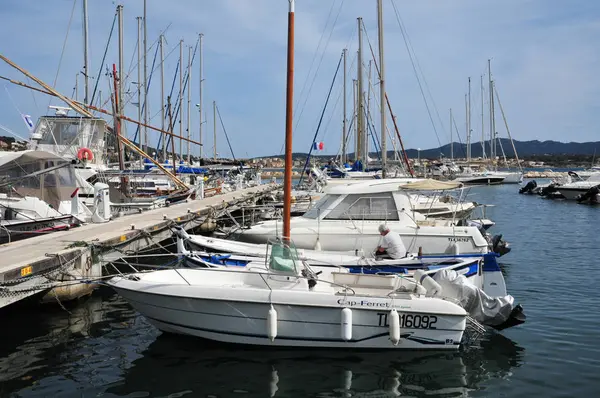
column 544, row 61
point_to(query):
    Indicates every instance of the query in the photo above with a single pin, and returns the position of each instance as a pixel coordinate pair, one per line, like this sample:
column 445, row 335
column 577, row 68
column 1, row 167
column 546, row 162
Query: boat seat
column 371, row 281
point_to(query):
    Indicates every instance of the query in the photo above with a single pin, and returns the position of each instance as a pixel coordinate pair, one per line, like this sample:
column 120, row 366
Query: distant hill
column 524, row 149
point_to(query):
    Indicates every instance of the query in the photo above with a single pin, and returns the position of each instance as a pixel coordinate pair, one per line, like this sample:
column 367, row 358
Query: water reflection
column 103, row 347
column 200, row 367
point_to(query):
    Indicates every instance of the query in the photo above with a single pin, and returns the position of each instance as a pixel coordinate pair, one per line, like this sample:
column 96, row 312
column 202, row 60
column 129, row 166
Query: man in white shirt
column 391, row 245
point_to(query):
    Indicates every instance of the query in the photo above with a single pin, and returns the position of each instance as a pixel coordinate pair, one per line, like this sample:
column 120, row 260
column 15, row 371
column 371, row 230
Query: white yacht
column 347, row 217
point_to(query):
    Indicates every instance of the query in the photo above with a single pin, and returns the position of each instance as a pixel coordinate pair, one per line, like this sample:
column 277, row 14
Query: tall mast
column 469, row 129
column 162, row 97
column 214, row 130
column 120, row 94
column 86, row 96
column 180, row 99
column 360, row 108
column 451, row 138
column 345, row 54
column 482, row 121
column 368, row 118
column 355, row 116
column 382, row 89
column 492, row 121
column 145, row 145
column 467, row 125
column 139, row 79
column 189, row 100
column 287, row 181
column 201, row 78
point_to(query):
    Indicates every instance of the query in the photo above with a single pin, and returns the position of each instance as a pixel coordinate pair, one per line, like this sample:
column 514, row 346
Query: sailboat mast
column 360, row 108
column 201, row 78
column 189, row 101
column 355, row 116
column 287, row 181
column 214, row 130
column 345, row 54
column 86, row 59
column 482, row 120
column 162, row 96
column 180, row 99
column 145, row 144
column 469, row 129
column 492, row 121
column 139, row 79
column 120, row 93
column 467, row 124
column 382, row 89
column 451, row 138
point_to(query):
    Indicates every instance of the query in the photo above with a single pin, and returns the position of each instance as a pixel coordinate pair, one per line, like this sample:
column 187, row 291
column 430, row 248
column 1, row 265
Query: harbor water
column 100, row 347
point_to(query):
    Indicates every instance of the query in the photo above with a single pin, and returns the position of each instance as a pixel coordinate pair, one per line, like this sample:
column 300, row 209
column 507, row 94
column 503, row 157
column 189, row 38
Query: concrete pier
column 47, row 265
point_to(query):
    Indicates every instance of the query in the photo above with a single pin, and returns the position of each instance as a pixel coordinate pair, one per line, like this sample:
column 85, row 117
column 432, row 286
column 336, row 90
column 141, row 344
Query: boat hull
column 348, row 238
column 309, row 325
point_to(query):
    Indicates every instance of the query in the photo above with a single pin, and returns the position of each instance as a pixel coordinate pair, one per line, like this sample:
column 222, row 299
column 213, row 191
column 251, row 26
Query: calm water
column 103, row 348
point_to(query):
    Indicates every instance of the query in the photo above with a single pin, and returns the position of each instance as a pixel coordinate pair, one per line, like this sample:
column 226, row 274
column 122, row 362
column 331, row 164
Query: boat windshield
column 322, row 205
column 284, row 257
column 376, row 206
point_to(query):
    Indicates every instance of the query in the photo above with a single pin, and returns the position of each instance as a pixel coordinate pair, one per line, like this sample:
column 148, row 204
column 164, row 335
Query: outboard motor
column 550, row 191
column 531, row 185
column 499, row 245
column 591, row 196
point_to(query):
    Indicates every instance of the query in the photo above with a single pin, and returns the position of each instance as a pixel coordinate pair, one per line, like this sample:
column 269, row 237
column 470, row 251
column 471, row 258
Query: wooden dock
column 45, row 264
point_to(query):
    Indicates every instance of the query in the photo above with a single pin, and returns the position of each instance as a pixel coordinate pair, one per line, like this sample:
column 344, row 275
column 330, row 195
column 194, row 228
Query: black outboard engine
column 531, row 185
column 551, row 191
column 499, row 246
column 591, row 196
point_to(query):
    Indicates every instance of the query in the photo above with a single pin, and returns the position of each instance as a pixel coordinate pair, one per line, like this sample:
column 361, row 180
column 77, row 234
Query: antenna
column 60, row 110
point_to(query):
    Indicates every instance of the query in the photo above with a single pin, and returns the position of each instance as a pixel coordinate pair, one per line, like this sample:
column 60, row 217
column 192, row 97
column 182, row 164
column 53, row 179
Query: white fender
column 272, row 323
column 346, row 324
column 433, row 288
column 317, row 245
column 394, row 327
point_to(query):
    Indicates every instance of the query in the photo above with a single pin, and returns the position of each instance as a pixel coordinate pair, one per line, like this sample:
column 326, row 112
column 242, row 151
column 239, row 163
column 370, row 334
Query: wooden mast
column 287, row 180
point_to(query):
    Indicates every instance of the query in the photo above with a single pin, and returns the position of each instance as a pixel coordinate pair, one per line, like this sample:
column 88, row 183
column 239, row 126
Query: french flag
column 318, row 146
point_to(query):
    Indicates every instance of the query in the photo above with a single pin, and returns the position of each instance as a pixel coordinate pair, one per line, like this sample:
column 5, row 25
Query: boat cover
column 491, row 311
column 431, row 185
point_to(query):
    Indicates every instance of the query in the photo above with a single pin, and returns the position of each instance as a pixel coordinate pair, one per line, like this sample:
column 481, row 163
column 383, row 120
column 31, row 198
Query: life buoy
column 85, row 153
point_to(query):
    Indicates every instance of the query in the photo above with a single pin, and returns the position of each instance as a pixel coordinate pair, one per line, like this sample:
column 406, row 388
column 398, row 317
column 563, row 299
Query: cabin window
column 377, row 206
column 324, row 204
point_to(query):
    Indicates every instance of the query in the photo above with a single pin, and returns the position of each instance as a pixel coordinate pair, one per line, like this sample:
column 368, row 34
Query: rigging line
column 134, row 53
column 62, row 53
column 422, row 74
column 459, row 139
column 112, row 28
column 315, row 55
column 321, row 119
column 131, row 98
column 318, row 67
column 12, row 100
column 416, row 74
column 146, row 89
column 225, row 131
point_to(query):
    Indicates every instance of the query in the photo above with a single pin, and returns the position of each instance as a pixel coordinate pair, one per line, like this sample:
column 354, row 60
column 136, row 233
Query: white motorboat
column 572, row 190
column 347, row 217
column 38, row 195
column 286, row 304
column 481, row 271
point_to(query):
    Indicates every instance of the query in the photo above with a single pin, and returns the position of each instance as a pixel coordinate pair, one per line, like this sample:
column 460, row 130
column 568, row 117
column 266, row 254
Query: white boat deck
column 21, row 254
